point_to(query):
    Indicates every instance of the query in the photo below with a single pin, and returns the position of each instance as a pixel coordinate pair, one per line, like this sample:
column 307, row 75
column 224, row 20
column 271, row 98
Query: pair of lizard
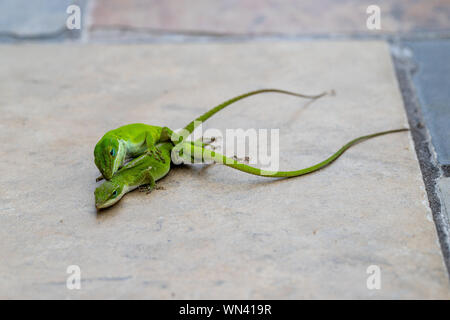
column 153, row 147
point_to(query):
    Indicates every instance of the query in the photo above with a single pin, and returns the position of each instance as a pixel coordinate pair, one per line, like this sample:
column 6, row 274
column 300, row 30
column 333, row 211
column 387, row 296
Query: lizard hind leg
column 245, row 159
column 193, row 156
column 147, row 182
column 207, row 141
column 145, row 188
column 202, row 142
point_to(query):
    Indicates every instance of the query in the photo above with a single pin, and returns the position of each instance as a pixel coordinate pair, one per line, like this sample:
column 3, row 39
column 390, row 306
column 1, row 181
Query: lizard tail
column 192, row 125
column 219, row 158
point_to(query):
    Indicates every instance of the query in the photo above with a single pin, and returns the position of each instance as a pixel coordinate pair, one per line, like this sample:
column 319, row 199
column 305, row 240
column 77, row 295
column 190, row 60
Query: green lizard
column 148, row 168
column 132, row 140
column 144, row 170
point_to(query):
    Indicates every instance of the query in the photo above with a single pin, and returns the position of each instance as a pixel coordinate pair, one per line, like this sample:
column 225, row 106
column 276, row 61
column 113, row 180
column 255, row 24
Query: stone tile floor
column 292, row 17
column 417, row 32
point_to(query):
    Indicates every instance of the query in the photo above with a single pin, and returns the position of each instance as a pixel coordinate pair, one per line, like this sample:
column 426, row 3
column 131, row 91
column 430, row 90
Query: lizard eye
column 112, row 152
column 114, row 194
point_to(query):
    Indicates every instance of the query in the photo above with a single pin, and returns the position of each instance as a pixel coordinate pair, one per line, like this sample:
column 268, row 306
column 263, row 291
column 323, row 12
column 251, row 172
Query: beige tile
column 213, row 232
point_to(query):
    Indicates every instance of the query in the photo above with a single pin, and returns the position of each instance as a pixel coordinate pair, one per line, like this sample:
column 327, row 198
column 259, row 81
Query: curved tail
column 193, row 124
column 192, row 151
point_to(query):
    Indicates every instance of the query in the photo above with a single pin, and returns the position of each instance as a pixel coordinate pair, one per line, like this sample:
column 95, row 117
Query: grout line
column 124, row 33
column 430, row 169
column 43, row 36
column 87, row 21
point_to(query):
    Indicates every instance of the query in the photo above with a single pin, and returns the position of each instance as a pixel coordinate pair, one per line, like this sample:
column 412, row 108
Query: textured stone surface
column 432, row 82
column 39, row 19
column 213, row 232
column 260, row 17
column 444, row 193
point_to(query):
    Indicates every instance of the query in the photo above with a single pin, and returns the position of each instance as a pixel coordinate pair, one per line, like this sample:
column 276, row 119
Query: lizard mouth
column 105, row 205
column 111, row 202
column 100, row 206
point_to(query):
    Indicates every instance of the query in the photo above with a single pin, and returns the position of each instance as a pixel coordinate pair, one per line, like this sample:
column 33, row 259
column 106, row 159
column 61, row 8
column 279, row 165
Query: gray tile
column 37, row 19
column 433, row 87
column 444, row 193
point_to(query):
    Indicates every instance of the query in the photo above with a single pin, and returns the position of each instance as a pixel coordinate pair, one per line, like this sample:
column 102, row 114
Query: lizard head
column 109, row 155
column 108, row 194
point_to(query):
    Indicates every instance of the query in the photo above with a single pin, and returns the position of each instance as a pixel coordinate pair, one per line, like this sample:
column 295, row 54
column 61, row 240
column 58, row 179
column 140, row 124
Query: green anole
column 148, row 168
column 143, row 170
column 132, row 140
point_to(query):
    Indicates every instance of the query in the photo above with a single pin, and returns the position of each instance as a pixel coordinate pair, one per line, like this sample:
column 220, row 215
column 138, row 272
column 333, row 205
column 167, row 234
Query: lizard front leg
column 152, row 150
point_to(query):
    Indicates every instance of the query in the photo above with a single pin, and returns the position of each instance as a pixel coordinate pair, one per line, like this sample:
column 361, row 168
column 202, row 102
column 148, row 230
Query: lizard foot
column 145, row 188
column 157, row 154
column 208, row 141
column 246, row 159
